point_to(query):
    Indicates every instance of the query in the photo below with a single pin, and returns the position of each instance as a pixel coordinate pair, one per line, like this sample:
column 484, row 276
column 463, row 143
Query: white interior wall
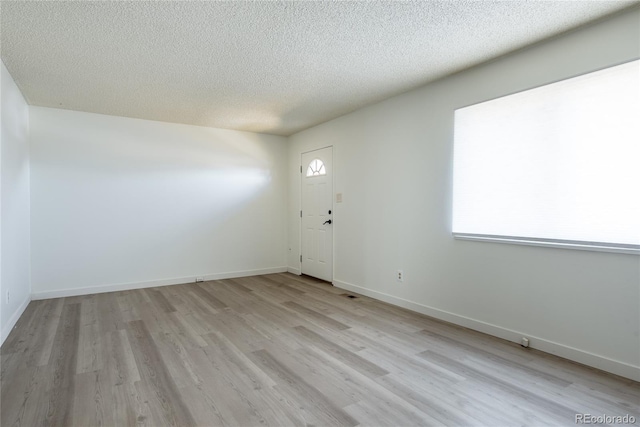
column 393, row 164
column 14, row 205
column 121, row 203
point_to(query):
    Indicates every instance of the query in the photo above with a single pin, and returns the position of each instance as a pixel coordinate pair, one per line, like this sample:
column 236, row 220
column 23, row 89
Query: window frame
column 535, row 241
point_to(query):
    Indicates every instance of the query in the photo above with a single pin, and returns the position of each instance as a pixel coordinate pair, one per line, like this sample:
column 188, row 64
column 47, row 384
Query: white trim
column 14, row 319
column 152, row 283
column 549, row 244
column 295, row 271
column 590, row 359
column 315, row 149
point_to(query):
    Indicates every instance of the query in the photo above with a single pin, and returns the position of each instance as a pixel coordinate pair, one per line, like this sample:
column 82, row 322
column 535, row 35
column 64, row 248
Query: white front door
column 317, row 213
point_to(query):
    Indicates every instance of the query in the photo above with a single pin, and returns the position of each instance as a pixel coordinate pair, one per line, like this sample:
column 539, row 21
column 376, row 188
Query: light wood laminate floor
column 280, row 350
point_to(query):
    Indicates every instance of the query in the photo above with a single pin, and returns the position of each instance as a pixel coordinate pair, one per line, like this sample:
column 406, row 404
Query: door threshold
column 316, row 279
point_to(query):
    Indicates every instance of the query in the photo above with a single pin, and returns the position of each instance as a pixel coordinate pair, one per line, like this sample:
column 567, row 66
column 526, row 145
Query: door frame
column 333, row 210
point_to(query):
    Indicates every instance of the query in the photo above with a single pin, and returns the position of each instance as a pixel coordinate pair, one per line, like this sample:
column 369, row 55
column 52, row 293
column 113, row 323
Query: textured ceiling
column 273, row 67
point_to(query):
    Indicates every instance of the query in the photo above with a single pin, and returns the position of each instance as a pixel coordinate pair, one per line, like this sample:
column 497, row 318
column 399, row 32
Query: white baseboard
column 586, row 358
column 59, row 293
column 295, row 271
column 6, row 330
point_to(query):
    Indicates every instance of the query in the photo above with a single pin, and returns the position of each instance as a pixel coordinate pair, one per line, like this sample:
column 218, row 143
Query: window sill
column 580, row 246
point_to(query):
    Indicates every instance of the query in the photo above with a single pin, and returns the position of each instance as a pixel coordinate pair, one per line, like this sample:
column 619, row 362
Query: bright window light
column 559, row 164
column 316, row 168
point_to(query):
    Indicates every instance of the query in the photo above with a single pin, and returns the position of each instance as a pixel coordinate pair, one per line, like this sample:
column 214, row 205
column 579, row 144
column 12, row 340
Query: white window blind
column 556, row 164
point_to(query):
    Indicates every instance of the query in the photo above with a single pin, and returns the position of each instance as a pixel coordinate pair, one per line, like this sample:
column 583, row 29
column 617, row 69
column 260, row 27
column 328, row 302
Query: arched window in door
column 316, row 168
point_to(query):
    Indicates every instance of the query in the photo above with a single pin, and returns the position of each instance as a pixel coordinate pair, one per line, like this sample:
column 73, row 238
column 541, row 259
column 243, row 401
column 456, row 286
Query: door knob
column 327, row 222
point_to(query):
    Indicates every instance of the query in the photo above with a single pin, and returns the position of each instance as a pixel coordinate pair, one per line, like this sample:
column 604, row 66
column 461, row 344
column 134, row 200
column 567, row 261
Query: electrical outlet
column 400, row 276
column 199, row 279
column 8, row 297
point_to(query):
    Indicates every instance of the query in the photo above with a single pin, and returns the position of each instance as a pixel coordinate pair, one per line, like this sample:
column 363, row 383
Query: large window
column 559, row 164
